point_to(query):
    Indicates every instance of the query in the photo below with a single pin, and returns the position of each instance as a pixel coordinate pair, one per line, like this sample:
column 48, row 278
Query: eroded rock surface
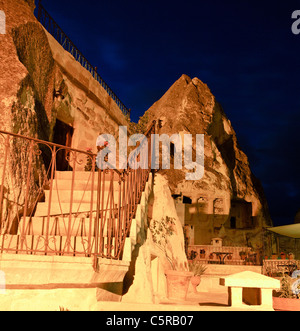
column 189, row 107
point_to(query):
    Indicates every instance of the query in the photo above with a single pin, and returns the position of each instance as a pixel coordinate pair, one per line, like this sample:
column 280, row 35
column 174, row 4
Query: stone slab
column 249, row 279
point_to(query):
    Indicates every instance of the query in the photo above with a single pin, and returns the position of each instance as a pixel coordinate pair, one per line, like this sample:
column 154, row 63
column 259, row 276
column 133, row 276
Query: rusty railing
column 54, row 29
column 44, row 211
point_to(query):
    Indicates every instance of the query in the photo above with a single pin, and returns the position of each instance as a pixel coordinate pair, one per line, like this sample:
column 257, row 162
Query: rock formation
column 149, row 283
column 218, row 204
column 44, row 93
column 21, row 96
column 40, row 84
column 228, row 202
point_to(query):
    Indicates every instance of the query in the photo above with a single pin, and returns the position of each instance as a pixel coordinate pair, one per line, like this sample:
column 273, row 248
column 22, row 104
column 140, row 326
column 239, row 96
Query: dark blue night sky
column 244, row 50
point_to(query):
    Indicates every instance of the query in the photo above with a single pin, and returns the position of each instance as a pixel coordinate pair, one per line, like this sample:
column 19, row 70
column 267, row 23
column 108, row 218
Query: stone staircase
column 80, row 235
column 69, row 261
column 72, row 215
column 84, row 190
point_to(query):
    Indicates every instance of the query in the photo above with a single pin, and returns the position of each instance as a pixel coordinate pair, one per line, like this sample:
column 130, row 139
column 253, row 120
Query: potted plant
column 193, row 255
column 288, row 298
column 89, row 161
column 198, row 270
column 248, row 261
column 291, row 256
column 282, row 256
column 202, row 253
column 177, row 280
column 274, row 256
column 243, row 255
column 229, row 257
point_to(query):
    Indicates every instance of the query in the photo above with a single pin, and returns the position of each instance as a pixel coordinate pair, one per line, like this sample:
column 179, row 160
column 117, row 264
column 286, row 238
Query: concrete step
column 63, row 208
column 57, row 226
column 83, row 175
column 39, row 282
column 78, row 196
column 57, row 245
column 81, row 185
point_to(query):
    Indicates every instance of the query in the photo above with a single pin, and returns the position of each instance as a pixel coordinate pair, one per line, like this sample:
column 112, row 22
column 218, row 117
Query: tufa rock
column 228, row 186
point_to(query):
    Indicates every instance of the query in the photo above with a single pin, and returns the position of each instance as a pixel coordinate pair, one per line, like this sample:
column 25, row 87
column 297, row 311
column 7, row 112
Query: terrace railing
column 74, row 213
column 54, row 29
column 277, row 268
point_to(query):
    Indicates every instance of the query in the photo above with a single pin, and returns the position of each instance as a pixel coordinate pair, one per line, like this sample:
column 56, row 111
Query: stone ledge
column 46, row 259
column 248, row 279
column 29, row 271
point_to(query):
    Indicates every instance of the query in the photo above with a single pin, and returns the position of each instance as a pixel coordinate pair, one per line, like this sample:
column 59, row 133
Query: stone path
column 84, row 300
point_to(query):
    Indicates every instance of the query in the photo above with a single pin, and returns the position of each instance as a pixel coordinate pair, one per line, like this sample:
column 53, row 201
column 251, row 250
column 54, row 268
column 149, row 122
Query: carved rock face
column 189, row 107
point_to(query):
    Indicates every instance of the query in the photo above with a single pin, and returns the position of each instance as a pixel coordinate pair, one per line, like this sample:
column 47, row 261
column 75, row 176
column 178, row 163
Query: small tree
column 141, row 126
column 89, row 162
column 286, row 289
column 161, row 231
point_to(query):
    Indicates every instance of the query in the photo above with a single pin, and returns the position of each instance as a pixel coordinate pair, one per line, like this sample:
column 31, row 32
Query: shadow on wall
column 129, row 277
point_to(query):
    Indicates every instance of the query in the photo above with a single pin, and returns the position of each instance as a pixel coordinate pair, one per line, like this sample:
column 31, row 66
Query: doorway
column 233, row 223
column 63, row 134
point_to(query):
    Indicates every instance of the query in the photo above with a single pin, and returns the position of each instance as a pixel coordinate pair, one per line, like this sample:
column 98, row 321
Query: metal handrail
column 55, row 30
column 108, row 211
column 69, row 149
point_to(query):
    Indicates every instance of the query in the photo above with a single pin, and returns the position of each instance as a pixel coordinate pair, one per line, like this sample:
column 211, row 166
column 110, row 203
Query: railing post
column 2, row 182
column 119, row 218
column 92, row 204
column 53, row 168
column 110, row 226
column 96, row 253
column 68, row 242
column 27, row 193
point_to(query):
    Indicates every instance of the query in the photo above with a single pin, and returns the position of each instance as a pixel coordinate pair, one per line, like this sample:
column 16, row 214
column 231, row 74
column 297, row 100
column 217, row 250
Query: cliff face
column 45, row 94
column 13, row 72
column 23, row 92
column 189, row 107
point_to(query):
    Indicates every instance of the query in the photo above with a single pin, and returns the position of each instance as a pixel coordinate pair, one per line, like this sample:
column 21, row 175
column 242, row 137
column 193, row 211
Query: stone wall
column 81, row 101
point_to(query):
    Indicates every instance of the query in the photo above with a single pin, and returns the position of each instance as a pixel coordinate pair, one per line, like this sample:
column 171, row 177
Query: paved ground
column 85, row 300
column 199, row 302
